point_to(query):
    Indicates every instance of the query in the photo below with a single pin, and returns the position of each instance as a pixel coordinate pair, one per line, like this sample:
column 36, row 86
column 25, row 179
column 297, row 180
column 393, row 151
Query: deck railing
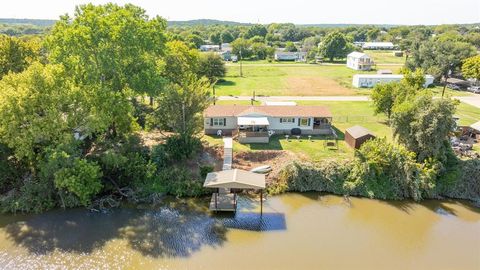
column 252, row 134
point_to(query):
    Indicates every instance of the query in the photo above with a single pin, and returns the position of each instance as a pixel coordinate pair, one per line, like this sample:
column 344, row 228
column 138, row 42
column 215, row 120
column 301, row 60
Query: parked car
column 453, row 86
column 474, row 89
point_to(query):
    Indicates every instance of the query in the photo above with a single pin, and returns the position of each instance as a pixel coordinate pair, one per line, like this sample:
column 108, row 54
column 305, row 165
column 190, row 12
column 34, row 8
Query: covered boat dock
column 227, row 180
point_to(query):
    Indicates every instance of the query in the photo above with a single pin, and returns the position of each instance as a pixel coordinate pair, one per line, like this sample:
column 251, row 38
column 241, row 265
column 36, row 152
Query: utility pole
column 214, row 96
column 447, row 74
column 241, row 71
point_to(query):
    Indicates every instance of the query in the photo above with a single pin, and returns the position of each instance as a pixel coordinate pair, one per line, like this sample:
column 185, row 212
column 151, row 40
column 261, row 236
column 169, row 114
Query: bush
column 159, row 156
column 81, row 179
column 326, row 176
column 205, row 169
column 178, row 182
column 181, row 147
column 34, row 196
column 464, row 181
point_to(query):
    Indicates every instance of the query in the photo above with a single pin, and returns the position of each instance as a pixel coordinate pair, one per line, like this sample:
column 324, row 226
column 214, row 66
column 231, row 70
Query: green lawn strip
column 468, row 114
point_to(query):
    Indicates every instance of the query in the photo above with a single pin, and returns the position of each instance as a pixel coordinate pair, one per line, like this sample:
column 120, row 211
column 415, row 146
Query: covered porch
column 223, row 199
column 253, row 129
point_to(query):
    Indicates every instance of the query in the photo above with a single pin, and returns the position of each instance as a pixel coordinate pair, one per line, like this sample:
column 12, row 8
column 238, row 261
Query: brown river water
column 296, row 231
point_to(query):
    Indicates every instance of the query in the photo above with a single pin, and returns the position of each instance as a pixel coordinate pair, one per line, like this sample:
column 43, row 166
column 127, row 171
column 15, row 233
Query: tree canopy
column 335, row 45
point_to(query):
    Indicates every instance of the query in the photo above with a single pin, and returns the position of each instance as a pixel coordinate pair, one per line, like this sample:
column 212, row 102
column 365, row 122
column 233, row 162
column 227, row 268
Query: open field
column 299, row 80
column 293, row 80
column 385, row 57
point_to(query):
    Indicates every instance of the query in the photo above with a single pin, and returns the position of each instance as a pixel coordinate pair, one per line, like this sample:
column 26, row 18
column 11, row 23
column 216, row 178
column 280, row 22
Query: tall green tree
column 180, row 61
column 212, row 67
column 16, row 55
column 180, row 106
column 242, row 47
column 116, row 46
column 423, row 124
column 471, row 68
column 439, row 57
column 335, row 45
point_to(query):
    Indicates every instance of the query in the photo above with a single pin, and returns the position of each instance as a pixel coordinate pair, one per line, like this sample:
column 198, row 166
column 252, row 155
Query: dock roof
column 235, row 178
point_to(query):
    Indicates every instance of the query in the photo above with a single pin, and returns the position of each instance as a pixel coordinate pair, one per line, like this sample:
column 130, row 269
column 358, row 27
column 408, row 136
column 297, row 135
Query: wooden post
column 216, row 193
column 261, row 202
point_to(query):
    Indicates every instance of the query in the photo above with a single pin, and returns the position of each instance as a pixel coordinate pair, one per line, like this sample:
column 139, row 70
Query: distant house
column 384, row 71
column 378, row 46
column 359, row 61
column 357, row 135
column 370, row 80
column 210, row 48
column 290, row 56
column 255, row 124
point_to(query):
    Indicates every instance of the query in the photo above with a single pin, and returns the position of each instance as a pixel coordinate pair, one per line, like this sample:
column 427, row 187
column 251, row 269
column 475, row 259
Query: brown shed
column 357, row 135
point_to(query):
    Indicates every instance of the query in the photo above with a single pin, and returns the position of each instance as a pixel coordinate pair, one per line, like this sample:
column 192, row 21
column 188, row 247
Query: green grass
column 468, row 114
column 301, row 80
column 385, row 57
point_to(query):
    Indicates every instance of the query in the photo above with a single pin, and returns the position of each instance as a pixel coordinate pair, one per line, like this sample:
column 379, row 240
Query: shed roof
column 256, row 121
column 274, row 111
column 378, row 44
column 235, row 178
column 358, row 132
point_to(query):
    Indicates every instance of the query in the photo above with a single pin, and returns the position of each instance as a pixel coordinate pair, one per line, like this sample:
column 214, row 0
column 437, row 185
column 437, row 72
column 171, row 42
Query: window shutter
column 211, row 121
column 299, row 119
column 281, row 120
column 224, row 121
column 308, row 121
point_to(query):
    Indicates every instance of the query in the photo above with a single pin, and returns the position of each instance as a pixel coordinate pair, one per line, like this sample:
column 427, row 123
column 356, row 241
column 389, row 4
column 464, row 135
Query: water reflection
column 163, row 233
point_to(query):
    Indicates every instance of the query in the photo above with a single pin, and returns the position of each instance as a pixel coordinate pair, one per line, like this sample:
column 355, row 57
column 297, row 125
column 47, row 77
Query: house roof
column 358, row 55
column 358, row 132
column 235, row 179
column 274, row 111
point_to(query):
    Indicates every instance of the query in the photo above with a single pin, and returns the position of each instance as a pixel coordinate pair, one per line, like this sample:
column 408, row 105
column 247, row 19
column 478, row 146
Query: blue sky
column 267, row 11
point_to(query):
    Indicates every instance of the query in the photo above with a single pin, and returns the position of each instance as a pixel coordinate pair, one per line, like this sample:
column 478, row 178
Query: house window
column 287, row 120
column 218, row 121
column 304, row 121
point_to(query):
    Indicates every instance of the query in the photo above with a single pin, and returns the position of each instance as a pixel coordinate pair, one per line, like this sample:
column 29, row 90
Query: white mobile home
column 370, row 80
column 359, row 61
column 378, row 46
column 210, row 48
column 256, row 123
column 290, row 56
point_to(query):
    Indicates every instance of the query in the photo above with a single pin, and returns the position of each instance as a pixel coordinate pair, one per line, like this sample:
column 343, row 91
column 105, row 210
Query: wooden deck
column 225, row 202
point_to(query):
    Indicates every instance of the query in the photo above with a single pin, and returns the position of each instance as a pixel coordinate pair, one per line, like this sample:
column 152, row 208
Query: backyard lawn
column 292, row 80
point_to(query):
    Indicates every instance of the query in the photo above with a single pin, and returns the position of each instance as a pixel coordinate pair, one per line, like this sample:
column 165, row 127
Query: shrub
column 205, row 169
column 159, row 156
column 81, row 179
column 178, row 182
column 34, row 196
column 181, row 147
column 464, row 181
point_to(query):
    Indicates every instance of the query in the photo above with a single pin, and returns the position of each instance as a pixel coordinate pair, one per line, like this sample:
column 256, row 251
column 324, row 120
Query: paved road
column 472, row 100
column 297, row 98
column 301, row 65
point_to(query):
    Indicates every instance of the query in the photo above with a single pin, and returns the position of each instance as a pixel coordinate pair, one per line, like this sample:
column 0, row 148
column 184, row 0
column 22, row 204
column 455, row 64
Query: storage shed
column 355, row 136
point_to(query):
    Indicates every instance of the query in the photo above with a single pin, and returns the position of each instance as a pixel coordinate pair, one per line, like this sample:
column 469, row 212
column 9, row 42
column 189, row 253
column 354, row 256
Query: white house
column 210, row 48
column 370, row 80
column 290, row 56
column 378, row 46
column 255, row 124
column 359, row 61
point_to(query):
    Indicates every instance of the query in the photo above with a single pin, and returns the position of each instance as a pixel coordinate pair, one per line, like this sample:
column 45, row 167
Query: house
column 355, row 136
column 359, row 61
column 370, row 80
column 255, row 124
column 210, row 48
column 290, row 56
column 378, row 46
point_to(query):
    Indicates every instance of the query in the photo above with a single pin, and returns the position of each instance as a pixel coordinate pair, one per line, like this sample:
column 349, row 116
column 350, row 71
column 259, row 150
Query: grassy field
column 385, row 57
column 345, row 115
column 292, row 80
